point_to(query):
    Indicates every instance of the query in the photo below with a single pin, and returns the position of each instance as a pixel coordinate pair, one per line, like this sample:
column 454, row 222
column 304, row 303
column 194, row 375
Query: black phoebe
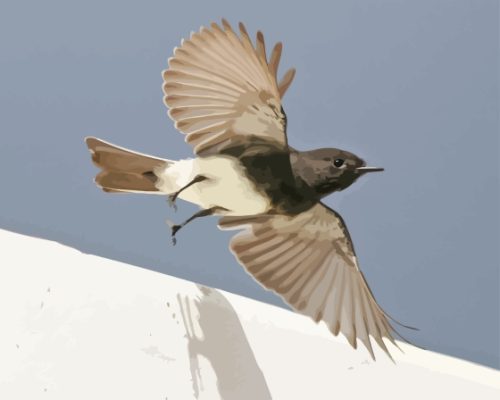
column 223, row 94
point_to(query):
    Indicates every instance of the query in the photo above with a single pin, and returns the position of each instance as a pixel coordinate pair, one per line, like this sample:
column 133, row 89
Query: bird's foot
column 174, row 228
column 171, row 201
column 173, row 197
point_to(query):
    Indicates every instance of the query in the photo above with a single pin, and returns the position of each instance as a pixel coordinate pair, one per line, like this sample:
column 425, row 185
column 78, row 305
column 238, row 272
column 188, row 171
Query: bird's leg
column 172, row 197
column 202, row 213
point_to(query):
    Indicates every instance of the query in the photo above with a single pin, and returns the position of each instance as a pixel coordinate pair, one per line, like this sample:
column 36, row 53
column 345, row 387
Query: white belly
column 226, row 186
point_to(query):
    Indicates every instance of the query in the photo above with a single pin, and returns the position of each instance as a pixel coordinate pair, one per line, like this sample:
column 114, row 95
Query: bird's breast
column 273, row 174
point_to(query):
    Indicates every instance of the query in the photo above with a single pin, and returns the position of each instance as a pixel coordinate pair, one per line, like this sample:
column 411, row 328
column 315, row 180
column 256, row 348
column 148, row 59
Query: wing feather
column 261, row 48
column 362, row 316
column 194, row 101
column 309, row 260
column 275, row 59
column 325, row 294
column 296, row 263
column 218, row 80
column 286, row 81
column 286, row 262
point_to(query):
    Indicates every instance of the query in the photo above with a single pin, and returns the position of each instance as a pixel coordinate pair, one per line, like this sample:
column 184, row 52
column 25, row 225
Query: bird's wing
column 309, row 260
column 218, row 85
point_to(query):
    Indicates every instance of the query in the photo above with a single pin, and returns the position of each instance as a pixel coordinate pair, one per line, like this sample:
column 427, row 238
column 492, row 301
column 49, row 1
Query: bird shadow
column 214, row 331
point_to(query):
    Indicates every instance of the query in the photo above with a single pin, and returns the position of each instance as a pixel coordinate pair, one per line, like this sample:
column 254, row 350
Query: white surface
column 76, row 326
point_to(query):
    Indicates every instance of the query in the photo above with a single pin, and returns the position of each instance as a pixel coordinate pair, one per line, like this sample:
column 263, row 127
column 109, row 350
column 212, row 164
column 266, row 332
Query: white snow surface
column 78, row 326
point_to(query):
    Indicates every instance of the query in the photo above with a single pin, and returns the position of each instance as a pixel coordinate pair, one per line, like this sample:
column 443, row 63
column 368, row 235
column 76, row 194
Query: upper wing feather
column 309, row 260
column 219, row 85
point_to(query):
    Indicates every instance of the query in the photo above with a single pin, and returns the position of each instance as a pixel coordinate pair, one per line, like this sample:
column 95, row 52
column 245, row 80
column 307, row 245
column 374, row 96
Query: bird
column 223, row 93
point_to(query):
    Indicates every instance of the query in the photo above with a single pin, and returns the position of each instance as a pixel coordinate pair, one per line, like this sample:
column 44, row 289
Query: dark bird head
column 328, row 170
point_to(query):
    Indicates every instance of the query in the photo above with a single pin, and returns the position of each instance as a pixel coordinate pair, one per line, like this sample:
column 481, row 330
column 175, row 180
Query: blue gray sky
column 411, row 86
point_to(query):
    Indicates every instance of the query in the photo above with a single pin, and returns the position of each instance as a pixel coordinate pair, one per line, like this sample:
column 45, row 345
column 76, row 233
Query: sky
column 409, row 86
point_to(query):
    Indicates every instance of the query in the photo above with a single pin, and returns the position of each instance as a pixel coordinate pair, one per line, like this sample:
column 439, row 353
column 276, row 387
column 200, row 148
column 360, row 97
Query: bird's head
column 328, row 169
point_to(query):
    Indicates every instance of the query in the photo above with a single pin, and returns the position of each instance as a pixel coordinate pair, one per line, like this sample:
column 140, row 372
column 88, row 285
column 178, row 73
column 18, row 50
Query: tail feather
column 124, row 170
column 119, row 182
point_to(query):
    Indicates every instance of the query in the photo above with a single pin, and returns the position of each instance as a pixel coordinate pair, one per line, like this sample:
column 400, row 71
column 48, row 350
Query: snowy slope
column 77, row 326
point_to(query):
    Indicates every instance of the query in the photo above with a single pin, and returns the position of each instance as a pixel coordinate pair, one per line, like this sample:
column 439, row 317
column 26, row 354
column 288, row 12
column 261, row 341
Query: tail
column 124, row 170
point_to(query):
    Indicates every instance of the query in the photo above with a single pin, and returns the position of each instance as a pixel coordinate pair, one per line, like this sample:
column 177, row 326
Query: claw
column 171, row 201
column 175, row 229
column 202, row 213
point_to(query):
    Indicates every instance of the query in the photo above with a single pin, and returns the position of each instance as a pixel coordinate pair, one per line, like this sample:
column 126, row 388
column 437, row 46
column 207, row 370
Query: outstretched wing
column 218, row 85
column 309, row 260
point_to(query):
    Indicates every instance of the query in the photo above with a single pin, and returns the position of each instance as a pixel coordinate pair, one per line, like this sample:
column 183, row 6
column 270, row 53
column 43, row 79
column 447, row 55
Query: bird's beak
column 369, row 169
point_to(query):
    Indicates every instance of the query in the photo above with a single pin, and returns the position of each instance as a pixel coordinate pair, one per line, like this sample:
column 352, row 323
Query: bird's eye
column 338, row 162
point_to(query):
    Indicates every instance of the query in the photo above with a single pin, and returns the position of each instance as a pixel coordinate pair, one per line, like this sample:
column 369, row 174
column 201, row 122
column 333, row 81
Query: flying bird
column 223, row 94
